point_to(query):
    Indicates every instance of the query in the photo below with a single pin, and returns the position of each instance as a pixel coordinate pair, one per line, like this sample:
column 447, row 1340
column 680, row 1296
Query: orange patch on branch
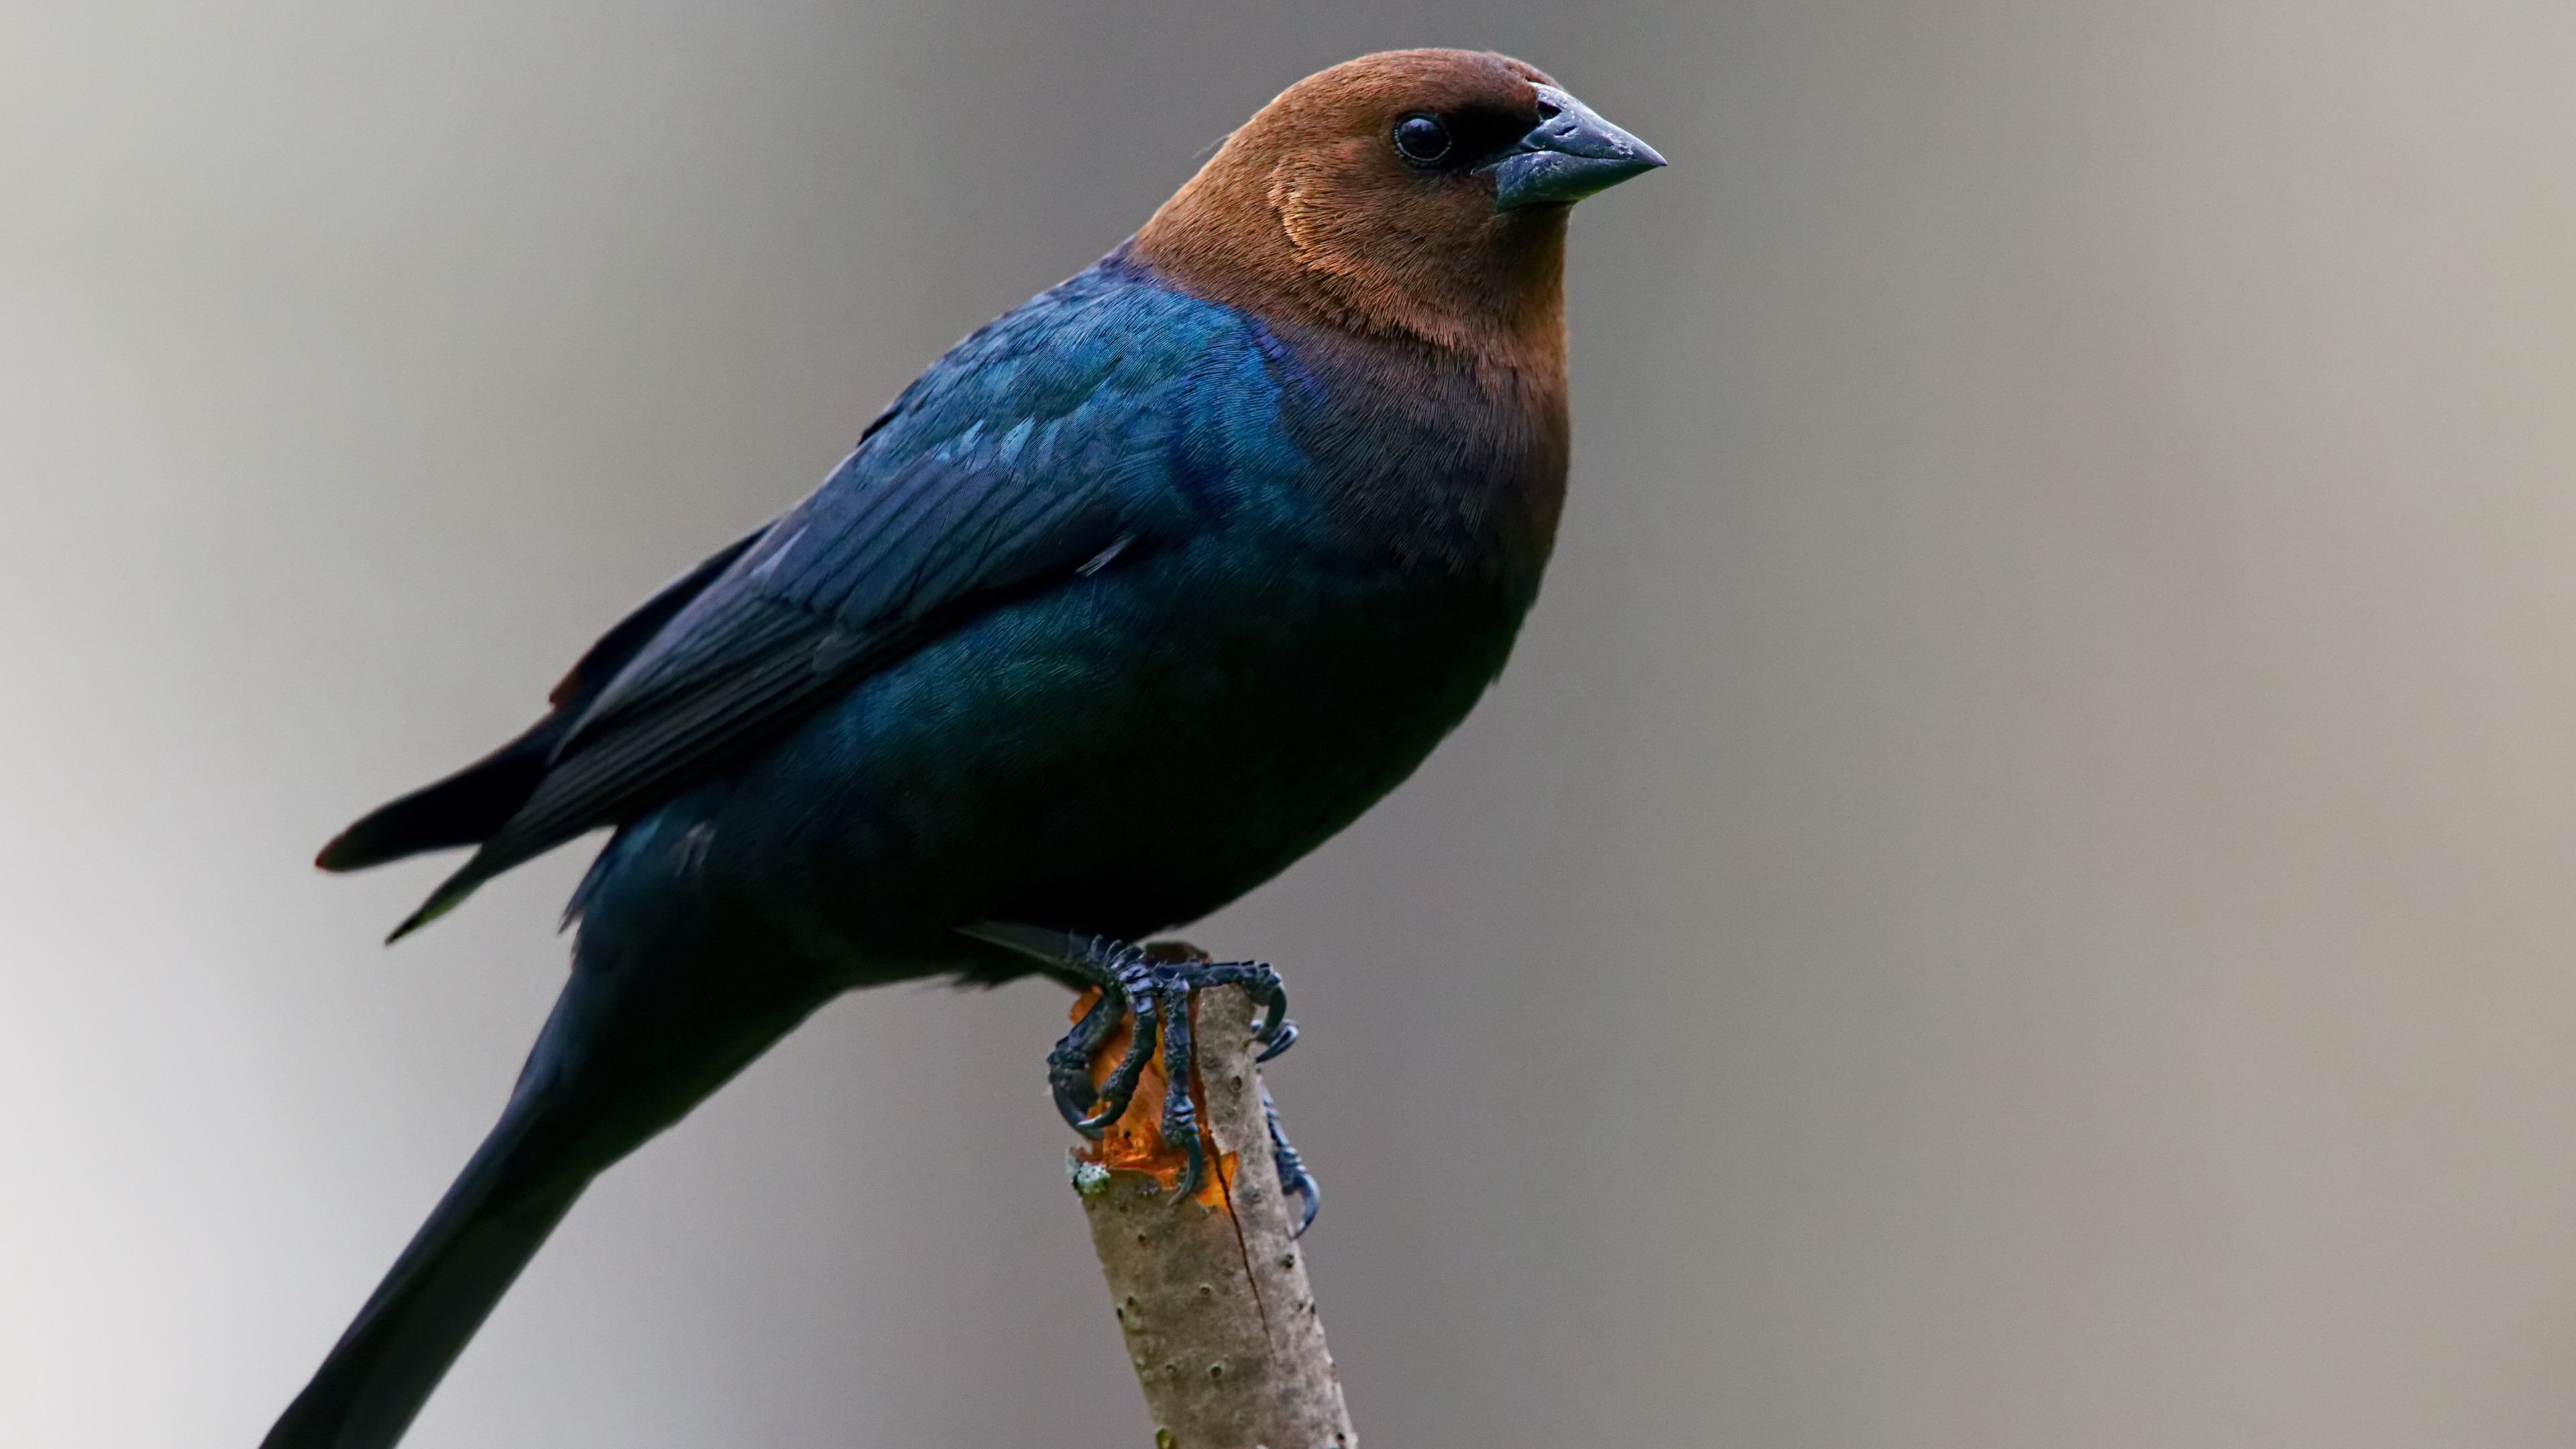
column 1134, row 1143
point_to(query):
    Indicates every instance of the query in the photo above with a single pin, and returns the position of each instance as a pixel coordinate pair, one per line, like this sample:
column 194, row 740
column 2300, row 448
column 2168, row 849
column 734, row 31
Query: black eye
column 1422, row 139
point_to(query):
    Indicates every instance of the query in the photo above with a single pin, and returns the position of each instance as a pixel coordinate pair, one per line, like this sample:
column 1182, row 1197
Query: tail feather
column 469, row 806
column 459, row 810
column 451, row 893
column 439, row 1292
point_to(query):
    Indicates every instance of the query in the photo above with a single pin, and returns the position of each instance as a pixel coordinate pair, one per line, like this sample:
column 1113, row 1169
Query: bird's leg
column 1180, row 1124
column 1153, row 987
column 1123, row 976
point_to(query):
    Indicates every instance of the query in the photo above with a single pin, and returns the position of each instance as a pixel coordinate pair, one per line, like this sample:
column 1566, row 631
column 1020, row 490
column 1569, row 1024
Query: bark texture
column 1211, row 1293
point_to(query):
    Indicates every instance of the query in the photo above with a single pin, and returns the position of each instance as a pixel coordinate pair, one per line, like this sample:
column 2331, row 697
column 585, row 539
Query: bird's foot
column 1151, row 986
column 1293, row 1177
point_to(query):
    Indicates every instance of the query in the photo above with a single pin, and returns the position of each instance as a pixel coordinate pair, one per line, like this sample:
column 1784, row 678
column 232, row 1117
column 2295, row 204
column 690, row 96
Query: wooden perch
column 1212, row 1293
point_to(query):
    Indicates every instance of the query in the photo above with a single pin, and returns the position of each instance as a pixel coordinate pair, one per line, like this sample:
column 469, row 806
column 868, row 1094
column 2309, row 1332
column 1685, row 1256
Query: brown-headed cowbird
column 1133, row 598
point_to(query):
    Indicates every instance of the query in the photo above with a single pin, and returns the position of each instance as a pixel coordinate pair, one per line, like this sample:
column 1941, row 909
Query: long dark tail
column 459, row 1264
column 629, row 1048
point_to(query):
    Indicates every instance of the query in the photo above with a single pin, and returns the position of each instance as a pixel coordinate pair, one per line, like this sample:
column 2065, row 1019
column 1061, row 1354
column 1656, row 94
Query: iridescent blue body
column 1235, row 677
column 1226, row 673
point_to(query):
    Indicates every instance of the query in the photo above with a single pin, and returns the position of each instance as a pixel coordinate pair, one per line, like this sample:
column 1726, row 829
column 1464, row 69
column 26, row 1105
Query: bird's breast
column 1126, row 753
column 1442, row 461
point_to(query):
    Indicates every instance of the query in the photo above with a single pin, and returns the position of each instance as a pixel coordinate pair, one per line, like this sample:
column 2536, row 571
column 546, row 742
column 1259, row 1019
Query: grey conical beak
column 1572, row 154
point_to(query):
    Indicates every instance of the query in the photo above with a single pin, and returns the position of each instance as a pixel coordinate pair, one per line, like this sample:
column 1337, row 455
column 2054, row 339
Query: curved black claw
column 1282, row 1033
column 1126, row 981
column 1156, row 993
column 1293, row 1177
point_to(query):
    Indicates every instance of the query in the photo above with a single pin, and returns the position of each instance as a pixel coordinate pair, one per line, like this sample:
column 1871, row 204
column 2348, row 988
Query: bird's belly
column 1118, row 757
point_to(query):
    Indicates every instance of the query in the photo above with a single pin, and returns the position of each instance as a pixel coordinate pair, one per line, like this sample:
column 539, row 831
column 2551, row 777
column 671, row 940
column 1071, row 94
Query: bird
column 1138, row 594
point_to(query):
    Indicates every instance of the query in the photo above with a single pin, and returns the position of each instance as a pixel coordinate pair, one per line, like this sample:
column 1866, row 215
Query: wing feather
column 1037, row 444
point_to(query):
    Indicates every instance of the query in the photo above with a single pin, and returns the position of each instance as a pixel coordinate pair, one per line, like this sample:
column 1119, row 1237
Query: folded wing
column 1049, row 438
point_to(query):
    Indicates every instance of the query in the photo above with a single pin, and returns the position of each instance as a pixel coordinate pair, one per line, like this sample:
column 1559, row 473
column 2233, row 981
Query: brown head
column 1414, row 194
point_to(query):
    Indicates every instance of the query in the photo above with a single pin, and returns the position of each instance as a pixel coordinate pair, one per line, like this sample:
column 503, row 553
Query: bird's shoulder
column 1104, row 398
column 1109, row 342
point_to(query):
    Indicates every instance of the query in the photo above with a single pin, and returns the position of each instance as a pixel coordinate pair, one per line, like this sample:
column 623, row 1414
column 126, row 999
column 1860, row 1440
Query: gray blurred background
column 2015, row 894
